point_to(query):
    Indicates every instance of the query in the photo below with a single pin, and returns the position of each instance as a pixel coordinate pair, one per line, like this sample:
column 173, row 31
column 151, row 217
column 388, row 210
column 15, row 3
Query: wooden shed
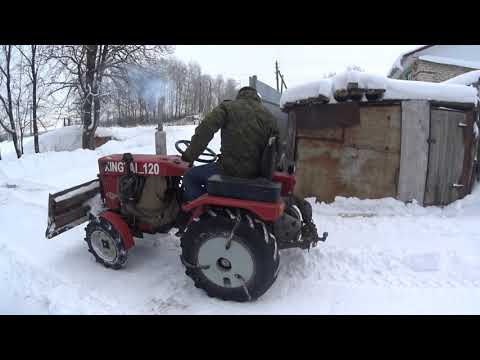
column 405, row 149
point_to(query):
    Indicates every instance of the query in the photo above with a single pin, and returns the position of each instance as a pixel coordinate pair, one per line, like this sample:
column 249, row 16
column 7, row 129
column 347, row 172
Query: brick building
column 436, row 63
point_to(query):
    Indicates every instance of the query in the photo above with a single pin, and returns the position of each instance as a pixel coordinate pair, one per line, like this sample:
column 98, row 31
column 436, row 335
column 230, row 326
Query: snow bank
column 468, row 78
column 63, row 139
column 450, row 61
column 394, row 89
column 104, row 132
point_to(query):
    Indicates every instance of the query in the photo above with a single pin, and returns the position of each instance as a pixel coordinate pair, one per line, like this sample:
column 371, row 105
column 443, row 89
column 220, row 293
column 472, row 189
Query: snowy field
column 382, row 257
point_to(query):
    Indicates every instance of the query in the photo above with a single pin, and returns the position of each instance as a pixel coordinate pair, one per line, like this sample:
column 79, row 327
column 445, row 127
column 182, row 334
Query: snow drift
column 62, row 139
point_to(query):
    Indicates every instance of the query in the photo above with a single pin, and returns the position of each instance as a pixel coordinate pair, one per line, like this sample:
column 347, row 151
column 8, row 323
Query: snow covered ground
column 382, row 257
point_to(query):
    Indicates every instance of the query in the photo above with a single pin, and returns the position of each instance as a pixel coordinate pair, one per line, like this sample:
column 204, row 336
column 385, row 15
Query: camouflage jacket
column 246, row 125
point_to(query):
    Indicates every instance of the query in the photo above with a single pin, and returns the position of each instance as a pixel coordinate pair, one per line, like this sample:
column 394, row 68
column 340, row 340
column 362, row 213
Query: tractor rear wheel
column 230, row 258
column 105, row 243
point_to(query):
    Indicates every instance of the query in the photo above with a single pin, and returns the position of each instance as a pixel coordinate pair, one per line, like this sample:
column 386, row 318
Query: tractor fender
column 121, row 226
column 268, row 212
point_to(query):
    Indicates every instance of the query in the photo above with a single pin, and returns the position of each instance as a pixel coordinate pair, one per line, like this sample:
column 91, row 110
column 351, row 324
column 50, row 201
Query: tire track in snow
column 32, row 283
column 23, row 190
column 375, row 268
column 335, row 265
column 56, row 295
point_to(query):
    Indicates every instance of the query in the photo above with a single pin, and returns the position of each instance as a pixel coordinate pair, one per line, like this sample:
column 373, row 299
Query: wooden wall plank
column 379, row 129
column 291, row 140
column 446, row 157
column 414, row 150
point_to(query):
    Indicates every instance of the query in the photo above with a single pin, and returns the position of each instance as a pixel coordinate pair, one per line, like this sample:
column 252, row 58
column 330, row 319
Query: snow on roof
column 468, row 78
column 394, row 89
column 450, row 61
column 420, row 90
column 305, row 91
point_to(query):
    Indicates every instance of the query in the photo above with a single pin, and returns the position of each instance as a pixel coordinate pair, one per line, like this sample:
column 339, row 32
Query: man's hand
column 190, row 163
column 204, row 132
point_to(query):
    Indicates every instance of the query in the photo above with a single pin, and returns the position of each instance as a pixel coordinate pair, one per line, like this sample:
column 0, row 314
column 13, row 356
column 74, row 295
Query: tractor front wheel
column 105, row 243
column 230, row 257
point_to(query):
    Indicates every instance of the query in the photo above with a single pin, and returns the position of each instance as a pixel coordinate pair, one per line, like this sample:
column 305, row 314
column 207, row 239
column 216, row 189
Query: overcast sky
column 298, row 63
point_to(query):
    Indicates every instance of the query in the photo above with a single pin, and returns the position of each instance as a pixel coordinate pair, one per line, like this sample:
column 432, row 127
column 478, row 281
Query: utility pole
column 279, row 77
column 283, row 83
column 276, row 73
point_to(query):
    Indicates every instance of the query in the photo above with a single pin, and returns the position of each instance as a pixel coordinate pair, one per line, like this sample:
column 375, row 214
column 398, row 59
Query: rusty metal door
column 448, row 151
column 361, row 160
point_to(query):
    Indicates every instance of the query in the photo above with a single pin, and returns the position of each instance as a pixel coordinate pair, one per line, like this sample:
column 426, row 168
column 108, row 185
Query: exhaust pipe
column 160, row 135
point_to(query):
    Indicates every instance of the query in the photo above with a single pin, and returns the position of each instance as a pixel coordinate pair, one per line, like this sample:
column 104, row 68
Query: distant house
column 436, row 63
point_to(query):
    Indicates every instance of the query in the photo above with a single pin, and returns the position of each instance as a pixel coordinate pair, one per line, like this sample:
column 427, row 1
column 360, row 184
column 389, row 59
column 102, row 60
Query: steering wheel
column 209, row 153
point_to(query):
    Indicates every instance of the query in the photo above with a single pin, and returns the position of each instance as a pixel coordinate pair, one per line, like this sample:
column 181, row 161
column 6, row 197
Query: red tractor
column 231, row 237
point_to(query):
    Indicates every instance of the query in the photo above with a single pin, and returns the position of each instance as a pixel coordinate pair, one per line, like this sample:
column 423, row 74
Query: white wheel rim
column 229, row 268
column 104, row 246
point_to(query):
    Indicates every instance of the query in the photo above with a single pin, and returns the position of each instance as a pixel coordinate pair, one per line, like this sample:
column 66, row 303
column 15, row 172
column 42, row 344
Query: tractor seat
column 259, row 189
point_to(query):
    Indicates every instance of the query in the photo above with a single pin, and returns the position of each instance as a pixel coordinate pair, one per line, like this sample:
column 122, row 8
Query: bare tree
column 90, row 89
column 178, row 73
column 231, row 89
column 6, row 97
column 183, row 88
column 87, row 66
column 20, row 95
column 218, row 89
column 207, row 86
column 34, row 60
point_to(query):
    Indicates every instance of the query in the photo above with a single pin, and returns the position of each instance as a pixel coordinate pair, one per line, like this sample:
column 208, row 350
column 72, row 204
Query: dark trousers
column 195, row 180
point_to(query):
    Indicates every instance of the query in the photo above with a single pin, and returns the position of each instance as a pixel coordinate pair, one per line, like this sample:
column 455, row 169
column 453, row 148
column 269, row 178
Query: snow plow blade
column 69, row 208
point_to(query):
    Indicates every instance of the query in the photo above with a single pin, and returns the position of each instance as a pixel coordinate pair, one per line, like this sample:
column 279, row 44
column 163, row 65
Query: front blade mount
column 70, row 208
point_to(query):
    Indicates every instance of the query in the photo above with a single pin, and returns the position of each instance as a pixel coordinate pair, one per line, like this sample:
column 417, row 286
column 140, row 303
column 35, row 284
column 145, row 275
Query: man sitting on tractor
column 246, row 127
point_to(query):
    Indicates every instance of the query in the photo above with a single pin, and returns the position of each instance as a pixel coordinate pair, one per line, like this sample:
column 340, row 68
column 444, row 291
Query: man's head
column 248, row 92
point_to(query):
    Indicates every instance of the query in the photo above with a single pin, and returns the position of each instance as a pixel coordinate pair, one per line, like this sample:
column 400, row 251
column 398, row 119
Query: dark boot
column 182, row 222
